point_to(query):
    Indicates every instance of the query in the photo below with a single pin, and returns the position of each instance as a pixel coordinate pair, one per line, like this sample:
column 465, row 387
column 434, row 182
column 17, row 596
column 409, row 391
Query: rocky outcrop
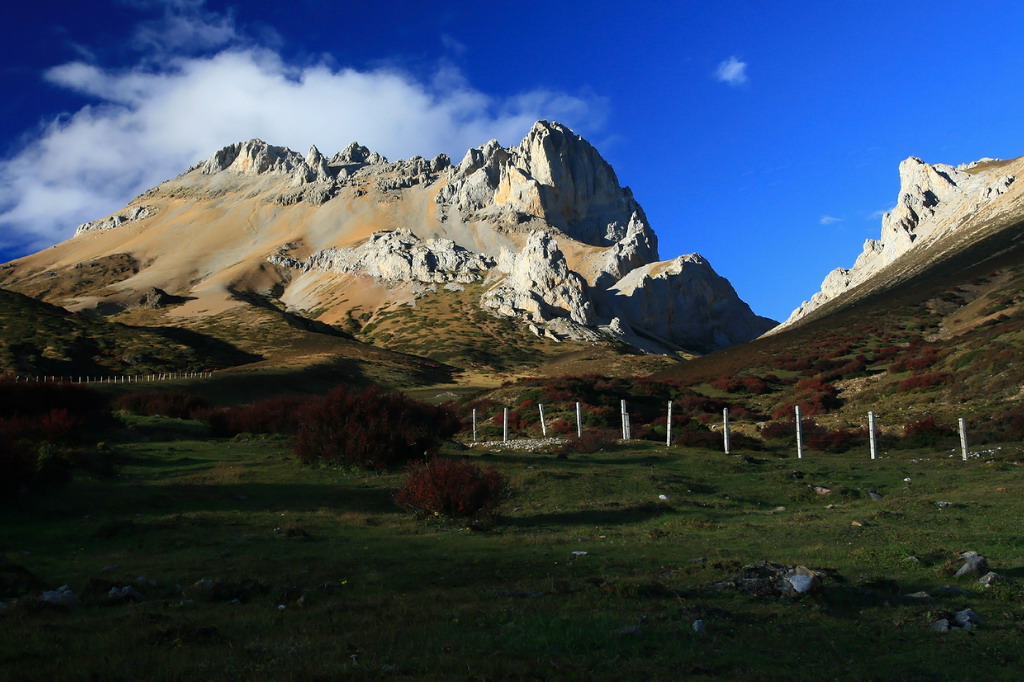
column 684, row 303
column 934, row 201
column 554, row 175
column 114, row 221
column 397, row 256
column 539, row 286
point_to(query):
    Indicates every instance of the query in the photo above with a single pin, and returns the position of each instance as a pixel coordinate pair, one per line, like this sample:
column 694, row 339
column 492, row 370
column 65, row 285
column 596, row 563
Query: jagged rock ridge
column 935, row 203
column 543, row 227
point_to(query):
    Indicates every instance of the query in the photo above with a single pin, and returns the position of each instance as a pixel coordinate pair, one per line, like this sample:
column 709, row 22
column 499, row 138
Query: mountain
column 940, row 211
column 929, row 323
column 537, row 239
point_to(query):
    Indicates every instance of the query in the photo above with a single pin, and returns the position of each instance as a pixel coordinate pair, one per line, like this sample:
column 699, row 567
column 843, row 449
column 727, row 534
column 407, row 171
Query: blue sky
column 764, row 136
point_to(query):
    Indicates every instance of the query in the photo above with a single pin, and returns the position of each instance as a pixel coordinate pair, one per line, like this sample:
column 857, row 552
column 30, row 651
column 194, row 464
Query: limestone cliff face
column 935, row 201
column 543, row 227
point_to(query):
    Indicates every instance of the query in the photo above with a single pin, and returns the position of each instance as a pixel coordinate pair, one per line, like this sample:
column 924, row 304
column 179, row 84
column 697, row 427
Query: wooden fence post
column 725, row 430
column 668, row 426
column 799, row 435
column 871, row 435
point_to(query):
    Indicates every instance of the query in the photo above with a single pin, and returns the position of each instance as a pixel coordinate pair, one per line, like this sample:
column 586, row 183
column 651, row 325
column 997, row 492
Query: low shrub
column 175, row 404
column 929, row 380
column 836, row 440
column 593, row 440
column 280, row 414
column 452, row 488
column 370, row 429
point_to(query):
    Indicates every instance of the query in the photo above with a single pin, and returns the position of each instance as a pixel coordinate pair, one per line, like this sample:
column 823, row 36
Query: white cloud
column 732, row 71
column 150, row 123
column 829, row 220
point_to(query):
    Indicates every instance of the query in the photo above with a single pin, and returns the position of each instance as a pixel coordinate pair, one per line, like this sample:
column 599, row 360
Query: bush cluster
column 41, row 434
column 370, row 429
column 175, row 404
column 280, row 414
column 452, row 488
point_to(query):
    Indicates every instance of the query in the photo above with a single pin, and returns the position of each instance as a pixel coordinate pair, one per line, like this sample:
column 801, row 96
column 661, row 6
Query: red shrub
column 176, row 404
column 593, row 440
column 780, row 428
column 455, row 489
column 923, row 381
column 279, row 414
column 370, row 429
column 836, row 440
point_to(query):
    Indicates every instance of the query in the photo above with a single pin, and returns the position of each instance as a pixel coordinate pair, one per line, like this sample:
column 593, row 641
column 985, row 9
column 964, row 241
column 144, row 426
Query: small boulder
column 991, row 578
column 62, row 596
column 973, row 564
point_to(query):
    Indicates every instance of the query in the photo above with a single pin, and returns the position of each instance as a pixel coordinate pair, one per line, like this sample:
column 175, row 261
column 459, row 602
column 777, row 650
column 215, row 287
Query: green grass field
column 314, row 573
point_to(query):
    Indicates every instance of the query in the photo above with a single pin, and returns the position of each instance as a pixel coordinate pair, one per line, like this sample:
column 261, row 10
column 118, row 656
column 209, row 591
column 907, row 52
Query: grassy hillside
column 248, row 565
column 37, row 338
column 948, row 343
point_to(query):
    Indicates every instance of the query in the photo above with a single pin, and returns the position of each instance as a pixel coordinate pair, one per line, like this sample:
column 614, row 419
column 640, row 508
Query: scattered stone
column 991, row 578
column 125, row 593
column 875, row 495
column 630, row 630
column 796, row 475
column 777, row 510
column 943, row 505
column 764, row 578
column 966, row 618
column 62, row 596
column 941, row 625
column 973, row 564
column 919, row 595
column 858, row 523
column 579, row 552
column 821, row 490
column 109, row 567
column 912, row 559
column 699, row 627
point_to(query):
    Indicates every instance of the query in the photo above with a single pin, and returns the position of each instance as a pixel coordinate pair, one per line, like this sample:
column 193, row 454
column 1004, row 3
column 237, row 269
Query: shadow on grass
column 591, row 517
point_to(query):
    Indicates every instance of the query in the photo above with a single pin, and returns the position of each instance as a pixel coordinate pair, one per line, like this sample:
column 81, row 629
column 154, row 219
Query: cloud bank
column 152, row 120
column 732, row 71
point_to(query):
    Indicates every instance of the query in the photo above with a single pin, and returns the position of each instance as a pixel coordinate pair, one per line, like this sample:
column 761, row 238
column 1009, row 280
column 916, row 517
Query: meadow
column 246, row 564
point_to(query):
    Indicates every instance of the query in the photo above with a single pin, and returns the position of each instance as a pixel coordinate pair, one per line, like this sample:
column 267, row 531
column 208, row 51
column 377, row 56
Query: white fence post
column 799, row 436
column 725, row 431
column 543, row 425
column 871, row 435
column 625, row 421
column 505, row 430
column 579, row 421
column 963, row 436
column 668, row 426
column 474, row 424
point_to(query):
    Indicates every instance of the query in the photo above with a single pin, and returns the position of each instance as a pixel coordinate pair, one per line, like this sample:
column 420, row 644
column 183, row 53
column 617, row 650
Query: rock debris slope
column 940, row 209
column 543, row 228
